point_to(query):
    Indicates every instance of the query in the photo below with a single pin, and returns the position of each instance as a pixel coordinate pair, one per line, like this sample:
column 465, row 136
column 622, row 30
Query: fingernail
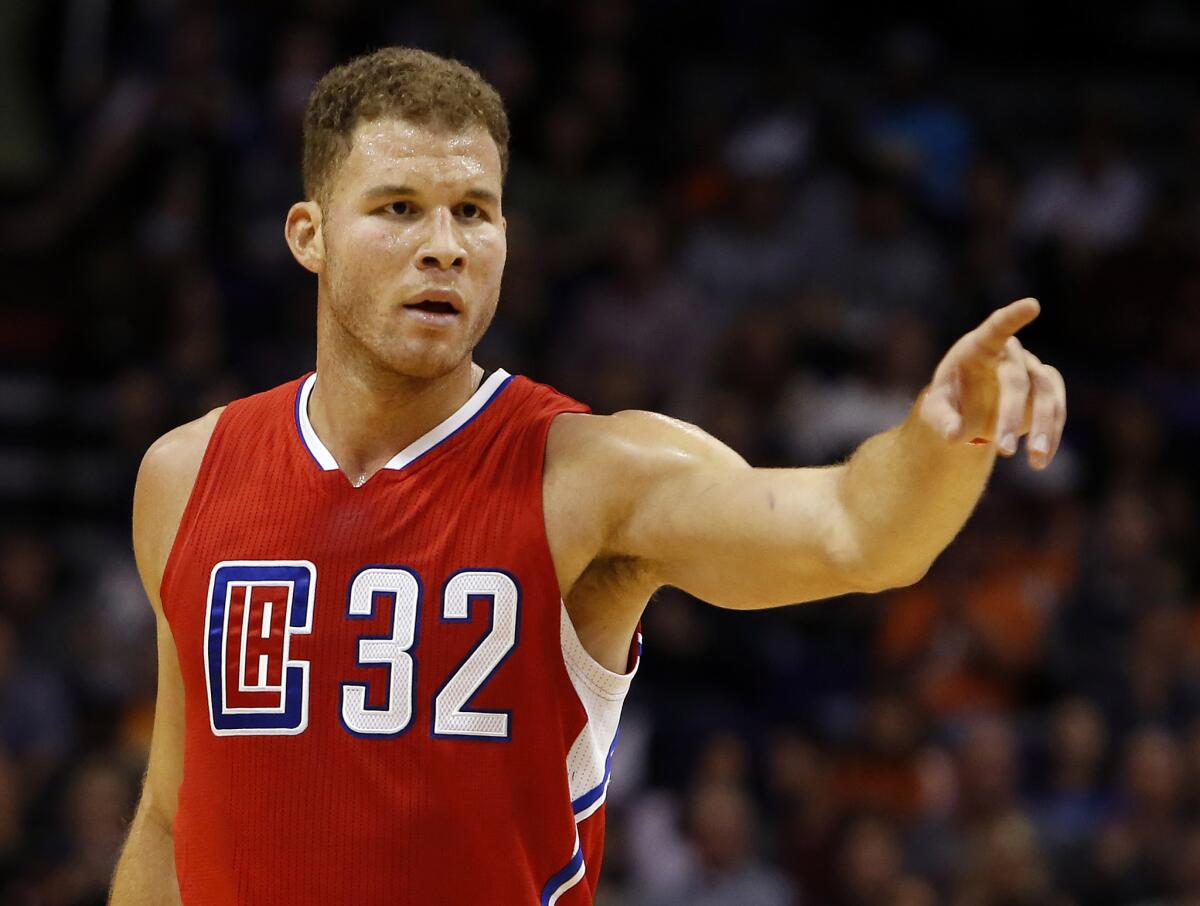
column 1008, row 443
column 948, row 427
column 1041, row 444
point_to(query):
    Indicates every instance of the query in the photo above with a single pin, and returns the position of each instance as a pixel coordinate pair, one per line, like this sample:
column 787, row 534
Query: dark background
column 765, row 221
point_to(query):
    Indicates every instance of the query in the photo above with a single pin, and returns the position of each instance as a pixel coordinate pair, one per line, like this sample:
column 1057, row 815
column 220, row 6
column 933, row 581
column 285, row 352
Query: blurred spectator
column 575, row 195
column 869, row 864
column 915, row 131
column 885, row 264
column 1075, row 800
column 971, row 631
column 986, row 779
column 94, row 808
column 990, row 272
column 1133, row 858
column 1004, row 867
column 824, row 417
column 637, row 319
column 879, row 771
column 744, row 260
column 1091, row 202
column 35, row 713
column 12, row 817
column 721, row 828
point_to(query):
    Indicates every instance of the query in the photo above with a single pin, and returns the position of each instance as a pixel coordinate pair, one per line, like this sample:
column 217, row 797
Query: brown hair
column 394, row 81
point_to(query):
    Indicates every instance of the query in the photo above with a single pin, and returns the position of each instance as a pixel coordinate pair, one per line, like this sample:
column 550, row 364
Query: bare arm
column 145, row 873
column 694, row 515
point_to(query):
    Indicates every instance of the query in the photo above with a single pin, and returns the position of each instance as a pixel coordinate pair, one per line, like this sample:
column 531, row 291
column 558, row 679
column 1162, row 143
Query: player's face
column 414, row 214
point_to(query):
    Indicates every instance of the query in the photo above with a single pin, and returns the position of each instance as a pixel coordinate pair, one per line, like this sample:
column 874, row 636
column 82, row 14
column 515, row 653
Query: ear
column 302, row 229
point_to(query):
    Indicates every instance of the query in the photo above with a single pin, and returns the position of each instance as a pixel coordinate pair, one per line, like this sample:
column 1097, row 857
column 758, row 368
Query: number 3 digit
column 394, row 717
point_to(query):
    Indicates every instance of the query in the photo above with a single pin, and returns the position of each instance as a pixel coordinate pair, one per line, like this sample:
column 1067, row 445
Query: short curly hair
column 394, row 81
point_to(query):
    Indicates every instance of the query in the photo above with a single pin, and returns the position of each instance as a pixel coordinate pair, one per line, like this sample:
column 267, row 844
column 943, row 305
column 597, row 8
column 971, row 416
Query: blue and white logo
column 254, row 609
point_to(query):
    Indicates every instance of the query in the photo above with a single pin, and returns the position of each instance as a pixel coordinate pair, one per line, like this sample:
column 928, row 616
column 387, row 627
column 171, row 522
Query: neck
column 365, row 415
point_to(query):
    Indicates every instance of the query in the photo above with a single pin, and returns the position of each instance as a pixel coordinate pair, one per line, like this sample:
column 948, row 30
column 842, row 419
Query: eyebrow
column 475, row 194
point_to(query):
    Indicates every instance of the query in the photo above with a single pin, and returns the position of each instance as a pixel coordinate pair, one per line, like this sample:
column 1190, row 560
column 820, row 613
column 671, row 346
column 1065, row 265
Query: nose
column 442, row 248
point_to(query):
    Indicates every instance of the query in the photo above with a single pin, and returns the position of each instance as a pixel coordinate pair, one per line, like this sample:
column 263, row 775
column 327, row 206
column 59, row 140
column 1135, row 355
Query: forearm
column 907, row 492
column 145, row 874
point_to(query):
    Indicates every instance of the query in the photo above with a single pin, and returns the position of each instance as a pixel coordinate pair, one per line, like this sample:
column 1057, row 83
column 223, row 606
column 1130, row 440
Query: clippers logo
column 254, row 609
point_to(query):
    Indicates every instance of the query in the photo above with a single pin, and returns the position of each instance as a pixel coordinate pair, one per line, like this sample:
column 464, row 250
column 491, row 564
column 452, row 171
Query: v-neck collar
column 487, row 391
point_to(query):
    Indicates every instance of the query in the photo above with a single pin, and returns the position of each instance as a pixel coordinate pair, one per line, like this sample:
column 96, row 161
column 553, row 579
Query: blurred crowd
column 770, row 228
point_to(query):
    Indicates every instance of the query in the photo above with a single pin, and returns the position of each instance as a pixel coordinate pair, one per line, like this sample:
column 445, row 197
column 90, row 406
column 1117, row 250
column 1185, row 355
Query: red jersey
column 386, row 702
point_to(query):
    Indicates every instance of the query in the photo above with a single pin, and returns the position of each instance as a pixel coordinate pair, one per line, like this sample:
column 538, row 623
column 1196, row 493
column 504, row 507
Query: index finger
column 992, row 334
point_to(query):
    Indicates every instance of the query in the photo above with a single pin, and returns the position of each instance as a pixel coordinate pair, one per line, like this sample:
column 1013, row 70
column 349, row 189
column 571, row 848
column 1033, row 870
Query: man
column 398, row 600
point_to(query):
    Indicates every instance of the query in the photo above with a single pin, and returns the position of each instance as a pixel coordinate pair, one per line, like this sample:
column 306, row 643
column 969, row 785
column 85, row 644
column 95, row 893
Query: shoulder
column 601, row 471
column 164, row 484
column 635, row 442
column 601, row 468
column 178, row 453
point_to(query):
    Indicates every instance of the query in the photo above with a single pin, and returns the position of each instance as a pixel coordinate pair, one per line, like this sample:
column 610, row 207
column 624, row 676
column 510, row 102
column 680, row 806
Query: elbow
column 154, row 810
column 870, row 562
column 912, row 577
column 876, row 577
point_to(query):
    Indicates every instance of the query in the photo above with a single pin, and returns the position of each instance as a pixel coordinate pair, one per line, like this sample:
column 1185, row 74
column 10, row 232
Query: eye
column 399, row 207
column 470, row 211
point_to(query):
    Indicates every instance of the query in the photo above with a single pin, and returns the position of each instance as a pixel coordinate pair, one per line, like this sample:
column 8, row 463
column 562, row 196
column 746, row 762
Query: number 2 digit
column 450, row 717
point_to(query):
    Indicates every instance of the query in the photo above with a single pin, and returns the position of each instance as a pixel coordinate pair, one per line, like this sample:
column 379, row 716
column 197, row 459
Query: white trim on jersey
column 550, row 897
column 318, row 450
column 602, row 693
column 423, row 444
column 589, row 763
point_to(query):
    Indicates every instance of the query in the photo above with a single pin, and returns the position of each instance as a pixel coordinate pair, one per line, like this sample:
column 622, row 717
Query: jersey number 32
column 256, row 688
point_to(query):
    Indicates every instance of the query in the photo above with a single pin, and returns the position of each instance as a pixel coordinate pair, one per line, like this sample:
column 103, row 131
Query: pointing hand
column 989, row 388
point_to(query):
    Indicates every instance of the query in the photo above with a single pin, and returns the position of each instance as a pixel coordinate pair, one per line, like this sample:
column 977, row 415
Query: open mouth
column 433, row 305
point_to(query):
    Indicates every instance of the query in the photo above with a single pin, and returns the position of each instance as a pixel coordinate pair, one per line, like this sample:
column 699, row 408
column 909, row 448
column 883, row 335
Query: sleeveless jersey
column 385, row 700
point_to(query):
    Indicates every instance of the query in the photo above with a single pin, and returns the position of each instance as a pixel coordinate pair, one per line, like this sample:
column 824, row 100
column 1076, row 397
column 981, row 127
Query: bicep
column 160, row 496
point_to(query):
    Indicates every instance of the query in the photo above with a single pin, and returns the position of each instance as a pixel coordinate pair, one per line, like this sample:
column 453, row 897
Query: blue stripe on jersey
column 562, row 879
column 598, row 790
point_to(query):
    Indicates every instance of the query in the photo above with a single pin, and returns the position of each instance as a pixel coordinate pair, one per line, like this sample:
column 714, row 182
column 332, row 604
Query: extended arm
column 696, row 516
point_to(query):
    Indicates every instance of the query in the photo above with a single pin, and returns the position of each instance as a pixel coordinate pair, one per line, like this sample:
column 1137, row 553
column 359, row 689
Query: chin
column 433, row 361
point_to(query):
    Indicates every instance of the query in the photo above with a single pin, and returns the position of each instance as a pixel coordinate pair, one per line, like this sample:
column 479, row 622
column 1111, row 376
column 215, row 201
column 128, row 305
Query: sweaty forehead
column 396, row 150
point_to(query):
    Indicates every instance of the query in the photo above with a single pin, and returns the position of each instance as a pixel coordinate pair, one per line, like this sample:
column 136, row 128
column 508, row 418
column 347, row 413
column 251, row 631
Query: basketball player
column 398, row 598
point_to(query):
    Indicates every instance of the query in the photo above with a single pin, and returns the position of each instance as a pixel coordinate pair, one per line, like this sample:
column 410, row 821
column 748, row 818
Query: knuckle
column 1018, row 379
column 1012, row 416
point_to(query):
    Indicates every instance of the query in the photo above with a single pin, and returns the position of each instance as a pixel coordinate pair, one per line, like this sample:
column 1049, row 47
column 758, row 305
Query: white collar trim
column 486, row 391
